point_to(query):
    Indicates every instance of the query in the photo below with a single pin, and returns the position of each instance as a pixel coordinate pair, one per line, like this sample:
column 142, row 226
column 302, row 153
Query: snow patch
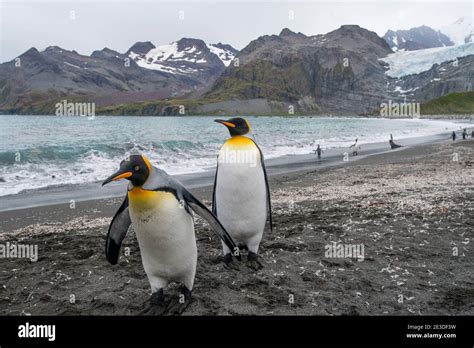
column 163, row 52
column 167, row 58
column 395, row 41
column 75, row 66
column 403, row 91
column 159, row 58
column 224, row 55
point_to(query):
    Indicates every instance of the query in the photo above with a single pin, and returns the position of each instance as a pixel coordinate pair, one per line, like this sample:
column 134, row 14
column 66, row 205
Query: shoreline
column 72, row 194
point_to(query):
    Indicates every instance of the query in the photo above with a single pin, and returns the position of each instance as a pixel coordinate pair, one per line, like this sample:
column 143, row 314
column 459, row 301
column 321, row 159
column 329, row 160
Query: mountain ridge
column 342, row 72
column 104, row 77
column 416, row 38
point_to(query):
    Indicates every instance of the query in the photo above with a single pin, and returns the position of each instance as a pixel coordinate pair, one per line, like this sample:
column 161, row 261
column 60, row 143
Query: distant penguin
column 392, row 144
column 318, row 151
column 158, row 206
column 355, row 150
column 453, row 135
column 464, row 134
column 241, row 198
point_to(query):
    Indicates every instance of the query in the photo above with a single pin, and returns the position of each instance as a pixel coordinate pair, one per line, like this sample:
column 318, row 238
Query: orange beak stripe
column 123, row 176
column 228, row 124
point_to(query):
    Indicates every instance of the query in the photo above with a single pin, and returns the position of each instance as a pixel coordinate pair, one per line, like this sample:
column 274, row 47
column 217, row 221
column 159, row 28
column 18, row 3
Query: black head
column 136, row 168
column 236, row 126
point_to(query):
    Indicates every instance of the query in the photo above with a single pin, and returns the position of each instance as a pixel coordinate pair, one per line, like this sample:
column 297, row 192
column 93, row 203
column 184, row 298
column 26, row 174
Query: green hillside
column 454, row 103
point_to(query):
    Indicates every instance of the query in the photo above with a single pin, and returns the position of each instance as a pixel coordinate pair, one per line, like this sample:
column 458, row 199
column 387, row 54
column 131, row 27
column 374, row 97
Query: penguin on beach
column 241, row 197
column 159, row 207
column 355, row 151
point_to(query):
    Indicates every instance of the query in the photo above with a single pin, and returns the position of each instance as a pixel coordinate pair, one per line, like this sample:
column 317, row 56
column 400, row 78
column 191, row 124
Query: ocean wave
column 81, row 156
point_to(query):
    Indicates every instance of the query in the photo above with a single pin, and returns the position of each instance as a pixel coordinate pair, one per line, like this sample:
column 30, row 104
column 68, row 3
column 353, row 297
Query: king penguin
column 158, row 207
column 241, row 198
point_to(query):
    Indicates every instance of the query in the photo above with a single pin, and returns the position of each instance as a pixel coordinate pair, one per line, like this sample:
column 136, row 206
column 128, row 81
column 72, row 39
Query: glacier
column 404, row 63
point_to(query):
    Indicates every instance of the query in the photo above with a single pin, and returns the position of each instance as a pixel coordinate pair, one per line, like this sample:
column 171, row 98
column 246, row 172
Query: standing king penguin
column 158, row 206
column 241, row 198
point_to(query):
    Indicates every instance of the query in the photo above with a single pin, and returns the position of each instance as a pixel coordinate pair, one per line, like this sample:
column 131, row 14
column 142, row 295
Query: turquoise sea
column 39, row 151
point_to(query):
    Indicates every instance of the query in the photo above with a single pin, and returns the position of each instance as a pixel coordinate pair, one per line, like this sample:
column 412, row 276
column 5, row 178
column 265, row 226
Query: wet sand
column 411, row 209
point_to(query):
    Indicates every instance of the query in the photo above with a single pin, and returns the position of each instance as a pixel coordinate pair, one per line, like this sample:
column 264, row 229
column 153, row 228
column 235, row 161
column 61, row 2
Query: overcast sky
column 119, row 24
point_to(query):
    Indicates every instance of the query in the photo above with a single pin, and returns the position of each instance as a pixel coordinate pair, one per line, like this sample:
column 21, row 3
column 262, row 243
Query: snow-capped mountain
column 185, row 57
column 416, row 39
column 143, row 73
column 461, row 31
column 289, row 68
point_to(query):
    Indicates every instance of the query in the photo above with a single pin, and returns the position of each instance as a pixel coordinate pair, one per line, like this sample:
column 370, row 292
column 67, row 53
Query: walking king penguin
column 158, row 206
column 241, row 198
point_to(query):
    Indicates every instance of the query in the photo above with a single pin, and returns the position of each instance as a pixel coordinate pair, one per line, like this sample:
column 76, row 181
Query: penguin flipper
column 206, row 214
column 117, row 230
column 269, row 201
column 214, row 207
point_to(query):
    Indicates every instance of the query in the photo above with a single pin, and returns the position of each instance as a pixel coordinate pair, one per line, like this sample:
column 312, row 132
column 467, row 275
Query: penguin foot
column 229, row 263
column 157, row 305
column 178, row 305
column 253, row 262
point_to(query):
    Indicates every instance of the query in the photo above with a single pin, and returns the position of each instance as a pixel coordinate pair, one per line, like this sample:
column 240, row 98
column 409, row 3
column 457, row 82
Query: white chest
column 165, row 232
column 241, row 196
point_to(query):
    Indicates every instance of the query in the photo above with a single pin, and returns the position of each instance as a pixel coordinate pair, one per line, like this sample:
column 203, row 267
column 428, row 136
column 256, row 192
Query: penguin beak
column 225, row 123
column 120, row 174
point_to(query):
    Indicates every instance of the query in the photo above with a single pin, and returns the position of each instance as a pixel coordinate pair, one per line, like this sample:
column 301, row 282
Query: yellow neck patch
column 239, row 141
column 141, row 199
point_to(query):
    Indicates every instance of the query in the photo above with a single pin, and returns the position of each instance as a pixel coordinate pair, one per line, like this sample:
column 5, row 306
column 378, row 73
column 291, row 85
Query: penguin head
column 236, row 126
column 136, row 168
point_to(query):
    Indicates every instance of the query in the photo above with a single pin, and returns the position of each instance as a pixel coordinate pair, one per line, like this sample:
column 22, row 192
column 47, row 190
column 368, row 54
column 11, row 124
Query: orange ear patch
column 248, row 124
column 147, row 162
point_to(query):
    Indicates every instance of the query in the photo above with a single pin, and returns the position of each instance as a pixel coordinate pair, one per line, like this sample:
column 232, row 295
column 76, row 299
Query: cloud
column 119, row 24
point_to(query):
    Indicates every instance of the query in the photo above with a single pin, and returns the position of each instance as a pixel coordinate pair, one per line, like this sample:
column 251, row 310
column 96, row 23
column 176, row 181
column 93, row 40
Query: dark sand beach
column 411, row 209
